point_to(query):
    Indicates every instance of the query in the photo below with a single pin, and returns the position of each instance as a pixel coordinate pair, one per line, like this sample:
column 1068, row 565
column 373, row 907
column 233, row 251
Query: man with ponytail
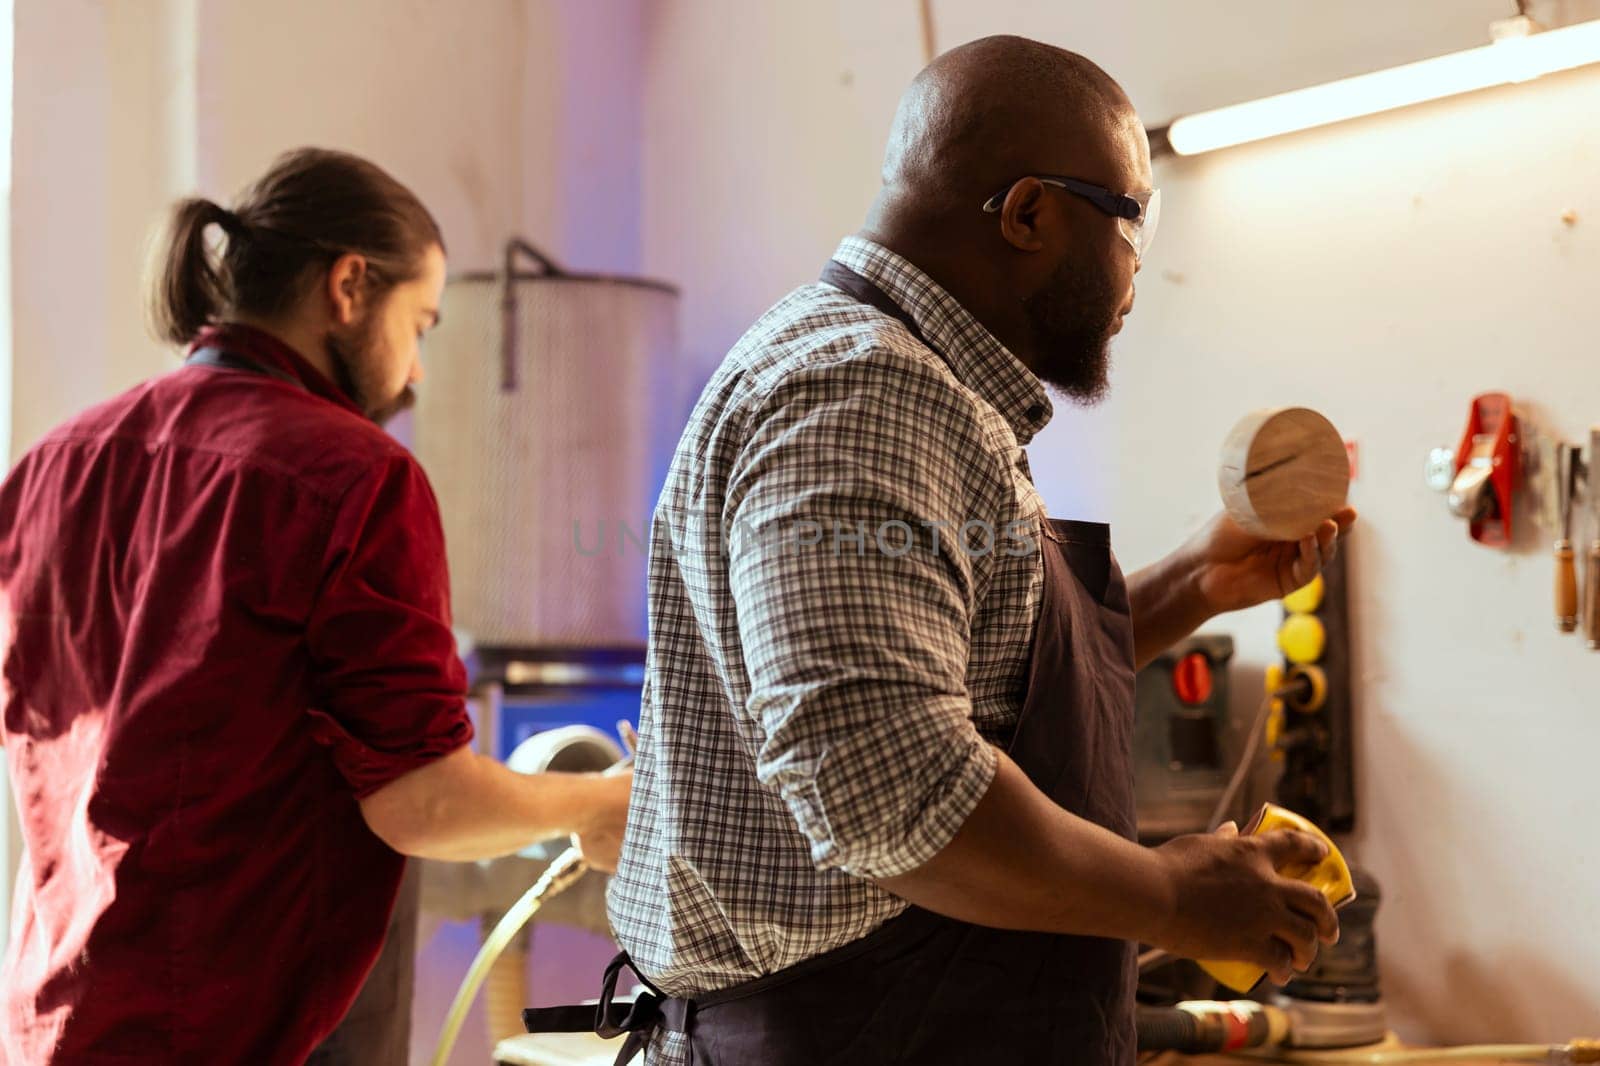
column 231, row 699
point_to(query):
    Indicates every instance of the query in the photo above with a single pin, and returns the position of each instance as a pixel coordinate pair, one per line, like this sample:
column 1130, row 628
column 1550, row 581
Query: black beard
column 1071, row 318
column 349, row 362
column 386, row 413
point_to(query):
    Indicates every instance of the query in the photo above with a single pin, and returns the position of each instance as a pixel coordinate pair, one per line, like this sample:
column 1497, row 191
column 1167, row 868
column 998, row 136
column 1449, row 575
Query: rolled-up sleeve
column 389, row 687
column 855, row 591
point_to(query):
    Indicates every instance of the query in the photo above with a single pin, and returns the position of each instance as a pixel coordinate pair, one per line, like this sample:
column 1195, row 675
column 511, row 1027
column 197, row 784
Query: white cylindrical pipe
column 570, row 749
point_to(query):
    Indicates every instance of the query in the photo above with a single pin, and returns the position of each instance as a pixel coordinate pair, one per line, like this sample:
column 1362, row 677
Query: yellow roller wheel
column 1307, row 598
column 1302, row 638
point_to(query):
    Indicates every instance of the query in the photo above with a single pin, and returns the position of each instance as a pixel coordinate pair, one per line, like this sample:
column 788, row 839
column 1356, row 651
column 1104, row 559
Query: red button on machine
column 1191, row 679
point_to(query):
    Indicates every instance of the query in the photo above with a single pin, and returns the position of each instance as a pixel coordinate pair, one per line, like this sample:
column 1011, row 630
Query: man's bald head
column 985, row 113
column 1048, row 271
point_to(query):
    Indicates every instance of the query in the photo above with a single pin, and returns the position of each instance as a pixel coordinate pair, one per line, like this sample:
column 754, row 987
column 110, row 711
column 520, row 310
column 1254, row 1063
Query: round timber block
column 1283, row 472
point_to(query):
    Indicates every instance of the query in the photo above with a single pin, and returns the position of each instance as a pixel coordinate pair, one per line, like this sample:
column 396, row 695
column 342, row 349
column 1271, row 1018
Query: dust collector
column 551, row 408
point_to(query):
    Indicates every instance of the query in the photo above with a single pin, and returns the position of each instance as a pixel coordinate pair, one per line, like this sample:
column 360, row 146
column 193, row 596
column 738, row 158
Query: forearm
column 1021, row 862
column 1166, row 605
column 466, row 806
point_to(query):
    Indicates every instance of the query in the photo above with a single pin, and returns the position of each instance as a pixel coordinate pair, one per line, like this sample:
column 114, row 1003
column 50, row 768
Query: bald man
column 883, row 804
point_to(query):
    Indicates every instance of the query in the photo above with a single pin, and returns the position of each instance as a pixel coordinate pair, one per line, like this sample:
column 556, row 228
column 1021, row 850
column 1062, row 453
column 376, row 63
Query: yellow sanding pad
column 1331, row 877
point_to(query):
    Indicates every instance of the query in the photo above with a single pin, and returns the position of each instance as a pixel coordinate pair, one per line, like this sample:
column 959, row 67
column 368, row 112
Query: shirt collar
column 264, row 348
column 980, row 362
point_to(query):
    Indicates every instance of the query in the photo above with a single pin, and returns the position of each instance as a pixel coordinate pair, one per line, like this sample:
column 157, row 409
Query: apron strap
column 864, row 291
column 638, row 1018
column 221, row 360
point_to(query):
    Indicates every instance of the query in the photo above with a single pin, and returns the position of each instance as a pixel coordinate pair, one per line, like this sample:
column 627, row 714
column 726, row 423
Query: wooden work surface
column 586, row 1049
column 1172, row 1058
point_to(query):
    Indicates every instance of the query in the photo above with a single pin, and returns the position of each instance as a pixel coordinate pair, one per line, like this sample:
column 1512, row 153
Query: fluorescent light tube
column 1509, row 60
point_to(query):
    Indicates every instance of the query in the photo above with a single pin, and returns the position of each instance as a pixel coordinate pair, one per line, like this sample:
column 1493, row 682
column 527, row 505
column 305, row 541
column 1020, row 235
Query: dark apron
column 925, row 989
column 376, row 1030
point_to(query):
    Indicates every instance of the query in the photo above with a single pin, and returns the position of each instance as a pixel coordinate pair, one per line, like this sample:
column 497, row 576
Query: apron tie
column 637, row 1019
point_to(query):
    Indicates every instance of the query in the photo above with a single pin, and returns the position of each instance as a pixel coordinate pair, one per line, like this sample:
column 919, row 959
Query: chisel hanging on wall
column 1591, row 576
column 1566, row 457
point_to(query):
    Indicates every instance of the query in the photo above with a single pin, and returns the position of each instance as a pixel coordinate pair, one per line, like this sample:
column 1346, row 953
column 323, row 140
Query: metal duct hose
column 561, row 874
column 501, row 962
column 505, row 989
column 1203, row 1026
column 572, row 749
column 1167, row 1029
column 1575, row 1053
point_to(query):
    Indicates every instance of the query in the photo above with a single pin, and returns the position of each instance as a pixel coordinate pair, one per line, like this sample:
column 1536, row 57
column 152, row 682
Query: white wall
column 1383, row 272
column 504, row 115
column 6, row 22
column 433, row 97
column 58, row 199
column 10, row 849
column 592, row 62
column 1387, row 272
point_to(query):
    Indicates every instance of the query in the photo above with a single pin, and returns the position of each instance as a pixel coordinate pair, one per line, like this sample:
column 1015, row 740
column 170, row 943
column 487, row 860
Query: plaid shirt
column 844, row 582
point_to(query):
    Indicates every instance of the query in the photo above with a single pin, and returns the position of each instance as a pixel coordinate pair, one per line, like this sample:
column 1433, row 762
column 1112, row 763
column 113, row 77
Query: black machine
column 1193, row 724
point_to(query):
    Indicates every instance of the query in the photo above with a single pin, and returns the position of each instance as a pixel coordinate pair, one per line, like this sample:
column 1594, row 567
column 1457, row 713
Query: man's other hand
column 1234, row 569
column 600, row 839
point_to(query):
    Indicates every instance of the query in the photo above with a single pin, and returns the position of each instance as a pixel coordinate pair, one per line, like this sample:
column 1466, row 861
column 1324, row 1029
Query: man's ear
column 347, row 287
column 1027, row 208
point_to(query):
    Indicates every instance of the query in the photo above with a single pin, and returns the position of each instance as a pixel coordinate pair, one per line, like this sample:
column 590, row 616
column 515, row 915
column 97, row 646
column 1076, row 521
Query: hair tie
column 231, row 223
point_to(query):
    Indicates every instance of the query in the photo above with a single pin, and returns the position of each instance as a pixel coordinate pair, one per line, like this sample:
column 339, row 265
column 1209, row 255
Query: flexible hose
column 559, row 876
column 1196, row 1027
column 1248, row 756
column 505, row 990
column 1165, row 1029
column 1149, row 960
column 1578, row 1051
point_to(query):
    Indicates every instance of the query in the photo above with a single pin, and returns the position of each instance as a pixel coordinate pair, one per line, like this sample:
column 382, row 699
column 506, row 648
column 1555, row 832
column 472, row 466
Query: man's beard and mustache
column 1071, row 318
column 355, row 371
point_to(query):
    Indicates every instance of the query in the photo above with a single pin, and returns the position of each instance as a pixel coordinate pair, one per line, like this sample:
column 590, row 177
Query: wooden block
column 1283, row 472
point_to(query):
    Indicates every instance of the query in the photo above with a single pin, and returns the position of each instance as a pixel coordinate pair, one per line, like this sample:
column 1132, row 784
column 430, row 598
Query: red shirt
column 224, row 617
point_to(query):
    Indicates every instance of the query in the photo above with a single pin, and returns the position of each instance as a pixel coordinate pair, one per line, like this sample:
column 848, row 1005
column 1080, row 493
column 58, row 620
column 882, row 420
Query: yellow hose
column 560, row 875
column 1579, row 1051
column 505, row 990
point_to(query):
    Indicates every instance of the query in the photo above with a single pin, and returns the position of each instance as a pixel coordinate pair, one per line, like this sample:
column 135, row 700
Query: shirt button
column 1035, row 412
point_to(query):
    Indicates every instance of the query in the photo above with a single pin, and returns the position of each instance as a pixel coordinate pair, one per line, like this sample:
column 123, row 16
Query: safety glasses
column 1136, row 215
